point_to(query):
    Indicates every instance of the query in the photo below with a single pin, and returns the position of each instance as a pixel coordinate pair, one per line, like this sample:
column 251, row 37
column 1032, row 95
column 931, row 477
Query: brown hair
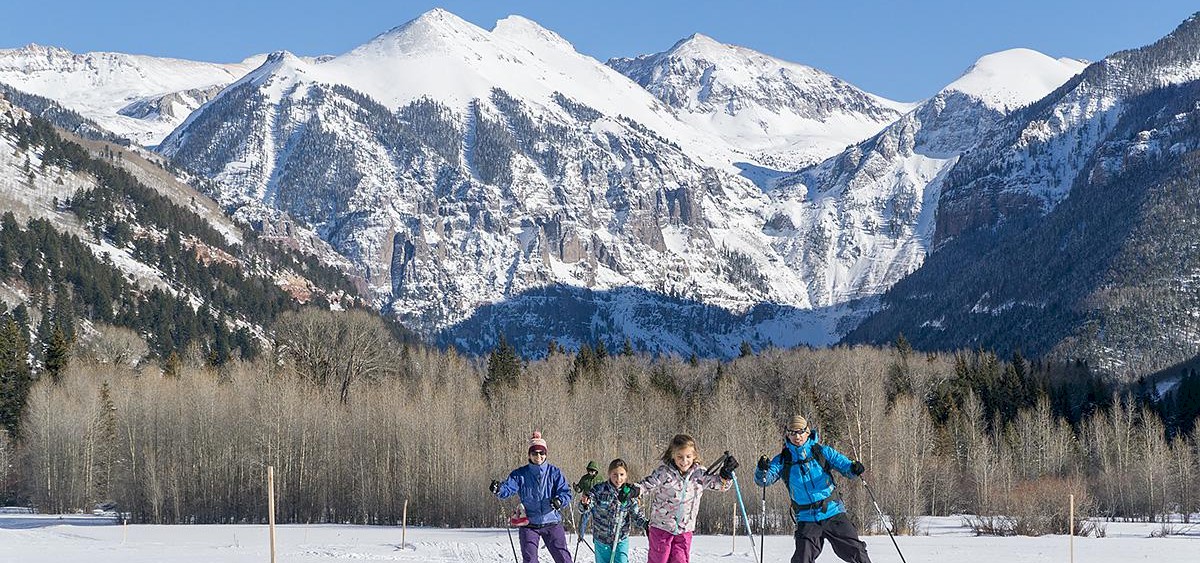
column 617, row 463
column 679, row 442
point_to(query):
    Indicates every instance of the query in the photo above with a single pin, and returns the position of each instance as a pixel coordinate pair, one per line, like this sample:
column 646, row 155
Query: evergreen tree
column 15, row 377
column 58, row 354
column 503, row 367
column 745, row 350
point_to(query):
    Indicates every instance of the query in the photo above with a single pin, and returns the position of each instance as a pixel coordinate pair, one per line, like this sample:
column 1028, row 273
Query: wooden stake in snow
column 734, row 534
column 1072, row 532
column 271, row 507
column 404, row 526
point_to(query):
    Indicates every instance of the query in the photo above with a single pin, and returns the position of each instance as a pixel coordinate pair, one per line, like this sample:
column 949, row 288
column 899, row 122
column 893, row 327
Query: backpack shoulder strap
column 819, row 455
column 788, row 463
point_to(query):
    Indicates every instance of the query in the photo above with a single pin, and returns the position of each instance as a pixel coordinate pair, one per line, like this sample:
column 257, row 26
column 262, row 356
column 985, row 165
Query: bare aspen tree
column 338, row 348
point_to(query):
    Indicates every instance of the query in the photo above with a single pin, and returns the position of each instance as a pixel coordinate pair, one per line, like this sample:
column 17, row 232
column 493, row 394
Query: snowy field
column 38, row 538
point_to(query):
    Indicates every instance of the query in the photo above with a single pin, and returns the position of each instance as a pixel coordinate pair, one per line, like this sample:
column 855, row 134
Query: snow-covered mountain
column 862, row 220
column 777, row 114
column 1068, row 229
column 528, row 171
column 139, row 97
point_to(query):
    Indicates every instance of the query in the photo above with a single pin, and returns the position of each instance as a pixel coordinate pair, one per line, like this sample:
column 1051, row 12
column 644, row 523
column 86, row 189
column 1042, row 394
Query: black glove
column 555, row 503
column 634, row 491
column 623, row 493
column 857, row 468
column 764, row 463
column 731, row 463
column 494, row 487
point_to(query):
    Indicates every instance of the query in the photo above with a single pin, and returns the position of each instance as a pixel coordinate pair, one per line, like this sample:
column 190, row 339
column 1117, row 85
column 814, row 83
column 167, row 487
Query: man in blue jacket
column 543, row 490
column 805, row 467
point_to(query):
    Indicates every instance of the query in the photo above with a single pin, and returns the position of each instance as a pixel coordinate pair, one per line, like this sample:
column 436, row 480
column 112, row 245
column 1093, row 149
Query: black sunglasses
column 796, row 432
column 537, row 452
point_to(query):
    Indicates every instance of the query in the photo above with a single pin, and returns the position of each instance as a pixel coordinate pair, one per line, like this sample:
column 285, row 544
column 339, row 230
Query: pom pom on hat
column 536, row 443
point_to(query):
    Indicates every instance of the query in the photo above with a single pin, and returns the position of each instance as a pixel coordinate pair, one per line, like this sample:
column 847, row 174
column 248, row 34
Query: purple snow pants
column 553, row 536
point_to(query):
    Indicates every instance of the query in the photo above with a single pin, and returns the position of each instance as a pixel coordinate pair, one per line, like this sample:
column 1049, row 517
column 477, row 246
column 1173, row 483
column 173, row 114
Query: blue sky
column 904, row 50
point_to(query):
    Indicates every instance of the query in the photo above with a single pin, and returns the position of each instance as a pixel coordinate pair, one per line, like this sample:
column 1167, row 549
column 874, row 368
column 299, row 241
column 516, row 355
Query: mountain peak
column 1009, row 79
column 697, row 40
column 435, row 27
column 522, row 30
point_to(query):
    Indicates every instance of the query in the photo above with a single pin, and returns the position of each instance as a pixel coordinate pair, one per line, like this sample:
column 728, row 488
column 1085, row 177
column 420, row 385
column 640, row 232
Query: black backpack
column 785, row 474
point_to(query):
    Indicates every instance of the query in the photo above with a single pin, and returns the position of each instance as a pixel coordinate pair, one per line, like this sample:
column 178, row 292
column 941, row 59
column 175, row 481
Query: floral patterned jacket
column 674, row 496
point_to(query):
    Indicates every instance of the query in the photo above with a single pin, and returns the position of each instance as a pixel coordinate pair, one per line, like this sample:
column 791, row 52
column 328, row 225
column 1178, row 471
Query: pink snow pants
column 666, row 547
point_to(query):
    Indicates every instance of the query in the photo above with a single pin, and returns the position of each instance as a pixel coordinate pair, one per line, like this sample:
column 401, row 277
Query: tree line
column 356, row 423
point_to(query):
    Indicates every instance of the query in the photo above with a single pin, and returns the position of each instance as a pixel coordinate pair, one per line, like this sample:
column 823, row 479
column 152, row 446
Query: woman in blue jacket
column 806, row 466
column 543, row 490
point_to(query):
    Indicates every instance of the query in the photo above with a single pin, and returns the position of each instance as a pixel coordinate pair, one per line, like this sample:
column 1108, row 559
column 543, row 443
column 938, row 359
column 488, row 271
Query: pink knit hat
column 536, row 443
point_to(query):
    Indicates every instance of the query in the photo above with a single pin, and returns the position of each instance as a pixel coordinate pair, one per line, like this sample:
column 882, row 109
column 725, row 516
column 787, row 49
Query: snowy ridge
column 101, row 85
column 777, row 114
column 445, row 58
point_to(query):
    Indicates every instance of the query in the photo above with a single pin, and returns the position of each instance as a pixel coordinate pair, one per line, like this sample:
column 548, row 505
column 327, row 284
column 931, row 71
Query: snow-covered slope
column 139, row 97
column 777, row 114
column 864, row 219
column 1015, row 78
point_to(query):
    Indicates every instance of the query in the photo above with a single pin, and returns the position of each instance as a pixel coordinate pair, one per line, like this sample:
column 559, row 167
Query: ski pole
column 583, row 519
column 579, row 540
column 508, row 528
column 571, row 515
column 882, row 519
column 762, row 529
column 616, row 532
column 738, row 489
